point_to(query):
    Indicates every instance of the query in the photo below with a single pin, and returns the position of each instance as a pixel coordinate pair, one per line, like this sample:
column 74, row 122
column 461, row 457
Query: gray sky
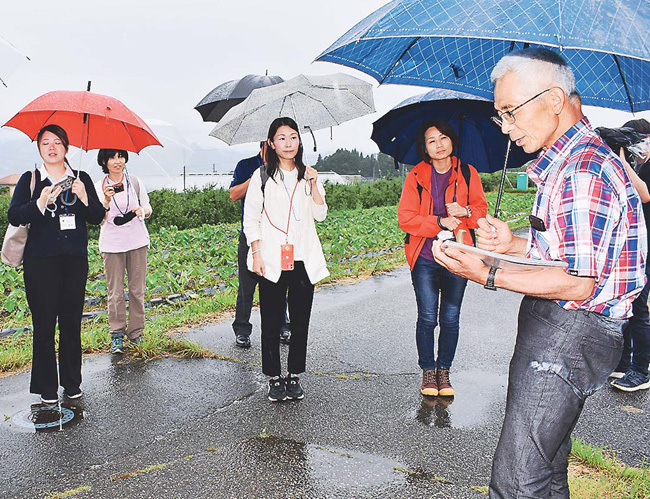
column 161, row 57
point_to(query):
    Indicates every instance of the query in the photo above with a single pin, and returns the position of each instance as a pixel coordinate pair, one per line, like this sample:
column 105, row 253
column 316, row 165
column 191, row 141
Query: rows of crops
column 194, row 260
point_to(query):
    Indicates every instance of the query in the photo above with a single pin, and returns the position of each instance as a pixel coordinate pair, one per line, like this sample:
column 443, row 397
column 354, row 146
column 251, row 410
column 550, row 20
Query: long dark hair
column 272, row 159
column 443, row 127
column 59, row 132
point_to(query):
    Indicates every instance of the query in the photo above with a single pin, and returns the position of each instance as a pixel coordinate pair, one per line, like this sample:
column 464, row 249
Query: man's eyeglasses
column 509, row 116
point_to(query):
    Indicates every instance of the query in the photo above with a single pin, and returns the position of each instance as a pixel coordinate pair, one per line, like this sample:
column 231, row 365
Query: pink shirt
column 132, row 235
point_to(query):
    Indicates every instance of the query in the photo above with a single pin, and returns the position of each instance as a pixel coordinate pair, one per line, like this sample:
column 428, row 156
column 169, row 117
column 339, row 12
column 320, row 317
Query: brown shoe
column 444, row 385
column 429, row 383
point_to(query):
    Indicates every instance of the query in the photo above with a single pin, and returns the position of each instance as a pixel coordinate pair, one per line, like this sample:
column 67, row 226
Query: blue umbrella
column 481, row 143
column 454, row 44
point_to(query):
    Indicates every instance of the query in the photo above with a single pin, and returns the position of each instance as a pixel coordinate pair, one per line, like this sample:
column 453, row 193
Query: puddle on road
column 329, row 467
column 46, row 418
column 477, row 396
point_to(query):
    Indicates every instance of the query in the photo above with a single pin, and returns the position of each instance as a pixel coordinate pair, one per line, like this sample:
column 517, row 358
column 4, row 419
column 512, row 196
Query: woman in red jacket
column 438, row 201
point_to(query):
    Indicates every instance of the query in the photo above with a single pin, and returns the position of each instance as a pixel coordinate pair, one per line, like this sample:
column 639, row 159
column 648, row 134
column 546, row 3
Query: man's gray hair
column 527, row 64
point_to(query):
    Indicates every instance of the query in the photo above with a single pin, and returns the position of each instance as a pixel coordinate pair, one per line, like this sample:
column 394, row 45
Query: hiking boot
column 117, row 343
column 277, row 389
column 429, row 383
column 294, row 390
column 136, row 342
column 285, row 334
column 632, row 381
column 444, row 385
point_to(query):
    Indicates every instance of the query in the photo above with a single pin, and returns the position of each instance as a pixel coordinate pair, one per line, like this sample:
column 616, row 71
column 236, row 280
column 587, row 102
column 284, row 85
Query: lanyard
column 285, row 232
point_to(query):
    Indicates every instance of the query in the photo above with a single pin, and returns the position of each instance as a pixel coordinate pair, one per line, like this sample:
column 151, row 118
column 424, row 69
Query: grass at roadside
column 595, row 473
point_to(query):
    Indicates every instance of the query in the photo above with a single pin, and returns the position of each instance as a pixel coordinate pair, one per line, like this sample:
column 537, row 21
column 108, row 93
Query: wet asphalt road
column 203, row 428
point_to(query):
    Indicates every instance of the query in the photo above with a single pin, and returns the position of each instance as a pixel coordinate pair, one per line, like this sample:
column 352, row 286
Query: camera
column 123, row 219
column 118, row 187
column 64, row 184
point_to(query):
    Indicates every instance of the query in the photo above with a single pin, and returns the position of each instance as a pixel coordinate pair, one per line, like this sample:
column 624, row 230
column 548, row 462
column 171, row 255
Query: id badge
column 287, row 256
column 67, row 221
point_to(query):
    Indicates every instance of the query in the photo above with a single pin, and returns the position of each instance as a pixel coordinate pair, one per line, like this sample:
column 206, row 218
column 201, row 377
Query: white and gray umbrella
column 10, row 59
column 314, row 102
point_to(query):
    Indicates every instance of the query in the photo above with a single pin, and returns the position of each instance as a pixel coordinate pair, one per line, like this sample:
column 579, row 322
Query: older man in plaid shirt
column 587, row 214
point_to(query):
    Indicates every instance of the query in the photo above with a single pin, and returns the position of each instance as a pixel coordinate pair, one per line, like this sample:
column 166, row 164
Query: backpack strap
column 264, row 176
column 136, row 186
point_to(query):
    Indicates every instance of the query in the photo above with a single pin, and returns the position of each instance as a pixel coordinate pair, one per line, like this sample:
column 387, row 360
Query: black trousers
column 55, row 289
column 273, row 297
column 247, row 283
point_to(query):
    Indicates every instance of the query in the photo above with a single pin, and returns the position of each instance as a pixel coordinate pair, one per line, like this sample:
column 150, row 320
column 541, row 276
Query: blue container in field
column 522, row 181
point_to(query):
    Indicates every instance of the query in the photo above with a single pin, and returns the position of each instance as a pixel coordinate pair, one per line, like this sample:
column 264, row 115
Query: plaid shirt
column 593, row 220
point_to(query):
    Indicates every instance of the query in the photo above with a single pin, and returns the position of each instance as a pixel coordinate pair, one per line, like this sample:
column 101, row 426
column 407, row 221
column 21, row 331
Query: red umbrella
column 92, row 121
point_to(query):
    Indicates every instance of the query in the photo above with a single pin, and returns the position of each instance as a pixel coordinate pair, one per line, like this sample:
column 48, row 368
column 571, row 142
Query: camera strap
column 125, row 181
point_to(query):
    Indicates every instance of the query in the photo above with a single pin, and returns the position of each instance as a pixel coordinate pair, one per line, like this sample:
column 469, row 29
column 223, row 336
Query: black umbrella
column 227, row 95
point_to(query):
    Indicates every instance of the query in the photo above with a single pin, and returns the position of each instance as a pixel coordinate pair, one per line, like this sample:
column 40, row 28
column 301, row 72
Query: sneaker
column 294, row 390
column 285, row 334
column 632, row 381
column 429, row 383
column 73, row 394
column 617, row 374
column 242, row 341
column 444, row 385
column 117, row 343
column 277, row 389
column 49, row 398
column 136, row 341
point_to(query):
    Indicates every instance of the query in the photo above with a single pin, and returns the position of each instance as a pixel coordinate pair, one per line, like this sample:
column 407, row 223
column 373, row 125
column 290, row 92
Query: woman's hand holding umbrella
column 79, row 189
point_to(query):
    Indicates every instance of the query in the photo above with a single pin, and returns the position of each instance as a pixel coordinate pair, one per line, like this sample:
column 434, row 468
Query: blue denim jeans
column 435, row 285
column 636, row 350
column 561, row 357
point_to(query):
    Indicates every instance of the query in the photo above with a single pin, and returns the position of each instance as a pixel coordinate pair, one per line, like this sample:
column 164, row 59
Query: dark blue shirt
column 243, row 171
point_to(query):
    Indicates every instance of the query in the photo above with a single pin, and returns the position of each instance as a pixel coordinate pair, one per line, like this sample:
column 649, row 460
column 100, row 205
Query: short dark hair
column 641, row 125
column 444, row 128
column 272, row 159
column 105, row 154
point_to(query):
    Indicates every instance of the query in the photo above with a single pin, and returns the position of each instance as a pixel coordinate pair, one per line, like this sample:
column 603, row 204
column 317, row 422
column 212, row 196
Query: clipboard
column 508, row 262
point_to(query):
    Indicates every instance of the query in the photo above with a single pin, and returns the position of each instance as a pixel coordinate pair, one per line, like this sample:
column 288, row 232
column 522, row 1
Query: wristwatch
column 490, row 280
column 469, row 212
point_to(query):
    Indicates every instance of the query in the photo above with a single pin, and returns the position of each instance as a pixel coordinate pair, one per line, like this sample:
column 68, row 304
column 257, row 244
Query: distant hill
column 353, row 162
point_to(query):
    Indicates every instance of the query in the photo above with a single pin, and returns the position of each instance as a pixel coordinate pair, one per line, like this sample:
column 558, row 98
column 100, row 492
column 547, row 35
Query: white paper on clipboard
column 508, row 262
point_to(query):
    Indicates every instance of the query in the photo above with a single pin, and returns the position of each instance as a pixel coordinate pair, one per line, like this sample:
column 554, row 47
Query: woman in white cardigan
column 282, row 201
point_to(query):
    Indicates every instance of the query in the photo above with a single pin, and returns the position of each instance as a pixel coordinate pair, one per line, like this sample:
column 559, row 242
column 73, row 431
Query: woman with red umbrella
column 55, row 261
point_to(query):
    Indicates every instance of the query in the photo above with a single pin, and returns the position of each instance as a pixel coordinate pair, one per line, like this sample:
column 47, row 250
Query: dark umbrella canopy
column 481, row 143
column 227, row 95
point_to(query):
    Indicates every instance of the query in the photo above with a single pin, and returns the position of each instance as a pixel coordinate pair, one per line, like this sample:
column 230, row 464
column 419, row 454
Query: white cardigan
column 302, row 233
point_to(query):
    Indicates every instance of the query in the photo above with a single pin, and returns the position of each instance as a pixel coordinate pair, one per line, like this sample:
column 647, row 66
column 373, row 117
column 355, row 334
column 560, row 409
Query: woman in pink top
column 123, row 242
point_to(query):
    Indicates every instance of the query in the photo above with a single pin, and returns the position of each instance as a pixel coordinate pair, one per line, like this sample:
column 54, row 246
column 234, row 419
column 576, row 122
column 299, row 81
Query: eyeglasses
column 509, row 116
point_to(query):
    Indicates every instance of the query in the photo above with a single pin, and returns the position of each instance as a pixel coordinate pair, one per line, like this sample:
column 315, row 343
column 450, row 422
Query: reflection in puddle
column 473, row 406
column 327, row 468
column 434, row 411
column 43, row 418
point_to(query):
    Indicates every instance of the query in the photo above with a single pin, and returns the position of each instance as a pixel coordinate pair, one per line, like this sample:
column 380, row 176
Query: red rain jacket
column 415, row 210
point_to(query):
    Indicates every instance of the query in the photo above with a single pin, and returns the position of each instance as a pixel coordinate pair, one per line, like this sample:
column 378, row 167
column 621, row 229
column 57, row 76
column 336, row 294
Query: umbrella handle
column 312, row 136
column 502, row 183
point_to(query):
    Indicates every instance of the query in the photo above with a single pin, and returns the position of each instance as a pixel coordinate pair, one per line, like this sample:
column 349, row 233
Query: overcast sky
column 162, row 57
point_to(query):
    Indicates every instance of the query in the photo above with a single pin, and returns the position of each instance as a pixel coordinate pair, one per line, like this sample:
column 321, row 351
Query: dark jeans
column 247, row 282
column 273, row 299
column 434, row 284
column 561, row 357
column 55, row 289
column 636, row 351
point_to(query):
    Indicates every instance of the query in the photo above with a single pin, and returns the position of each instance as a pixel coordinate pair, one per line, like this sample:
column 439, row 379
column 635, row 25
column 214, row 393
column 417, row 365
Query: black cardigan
column 45, row 237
